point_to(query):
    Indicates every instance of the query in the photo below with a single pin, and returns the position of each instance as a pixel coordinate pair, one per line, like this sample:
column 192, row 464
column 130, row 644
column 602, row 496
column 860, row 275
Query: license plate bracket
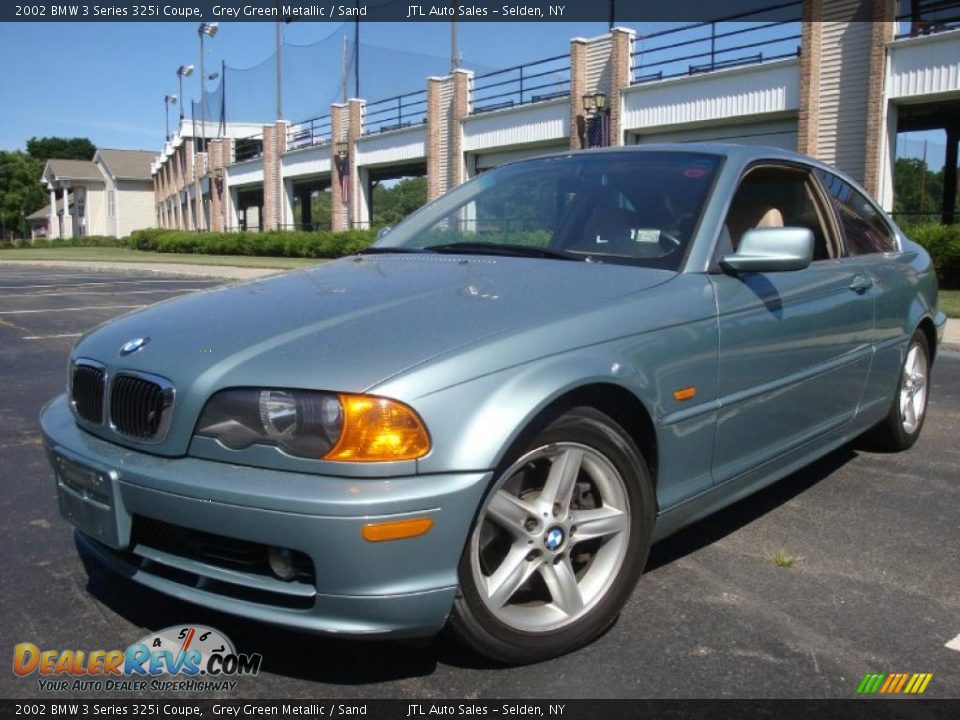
column 88, row 499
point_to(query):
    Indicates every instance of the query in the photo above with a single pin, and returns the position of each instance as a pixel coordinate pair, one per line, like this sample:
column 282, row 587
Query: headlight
column 342, row 427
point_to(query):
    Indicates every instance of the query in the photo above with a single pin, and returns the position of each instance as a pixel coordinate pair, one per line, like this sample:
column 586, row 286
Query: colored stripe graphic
column 894, row 683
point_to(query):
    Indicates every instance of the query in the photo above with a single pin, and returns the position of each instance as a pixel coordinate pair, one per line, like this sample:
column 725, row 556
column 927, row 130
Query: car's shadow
column 353, row 662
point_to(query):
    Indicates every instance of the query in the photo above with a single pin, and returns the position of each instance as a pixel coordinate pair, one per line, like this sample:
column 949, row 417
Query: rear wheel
column 559, row 543
column 901, row 428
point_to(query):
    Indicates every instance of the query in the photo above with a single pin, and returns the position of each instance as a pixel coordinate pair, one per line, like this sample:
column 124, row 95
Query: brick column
column 434, row 120
column 216, row 153
column 884, row 30
column 461, row 110
column 280, row 142
column 809, row 100
column 578, row 83
column 270, row 198
column 354, row 133
column 620, row 64
column 338, row 136
column 199, row 170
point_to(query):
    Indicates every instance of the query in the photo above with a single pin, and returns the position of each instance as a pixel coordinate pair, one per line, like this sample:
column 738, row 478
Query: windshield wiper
column 374, row 250
column 489, row 248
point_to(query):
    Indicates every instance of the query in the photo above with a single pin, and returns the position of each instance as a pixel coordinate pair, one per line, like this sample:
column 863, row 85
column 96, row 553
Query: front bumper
column 403, row 588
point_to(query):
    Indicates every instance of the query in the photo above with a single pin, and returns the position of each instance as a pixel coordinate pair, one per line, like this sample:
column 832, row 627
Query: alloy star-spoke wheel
column 552, row 539
column 913, row 388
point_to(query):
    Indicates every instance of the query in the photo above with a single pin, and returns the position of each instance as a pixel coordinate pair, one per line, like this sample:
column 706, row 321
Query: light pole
column 182, row 72
column 168, row 100
column 205, row 30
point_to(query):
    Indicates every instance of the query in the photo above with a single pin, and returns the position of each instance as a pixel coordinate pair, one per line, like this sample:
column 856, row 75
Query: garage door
column 780, row 134
column 486, row 161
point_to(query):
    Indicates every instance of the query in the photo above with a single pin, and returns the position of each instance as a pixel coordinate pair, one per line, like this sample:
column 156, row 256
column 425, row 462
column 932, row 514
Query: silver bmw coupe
column 483, row 421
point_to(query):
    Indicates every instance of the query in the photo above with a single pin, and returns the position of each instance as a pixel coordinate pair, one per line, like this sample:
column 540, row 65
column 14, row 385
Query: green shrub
column 943, row 244
column 276, row 243
column 85, row 241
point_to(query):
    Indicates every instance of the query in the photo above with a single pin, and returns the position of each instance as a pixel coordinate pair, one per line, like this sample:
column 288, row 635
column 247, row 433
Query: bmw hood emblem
column 131, row 346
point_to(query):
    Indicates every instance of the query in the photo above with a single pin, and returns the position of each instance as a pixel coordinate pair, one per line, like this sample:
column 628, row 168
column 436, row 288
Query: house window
column 111, row 203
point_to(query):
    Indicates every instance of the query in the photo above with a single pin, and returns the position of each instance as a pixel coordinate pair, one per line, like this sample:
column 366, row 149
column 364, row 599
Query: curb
column 225, row 272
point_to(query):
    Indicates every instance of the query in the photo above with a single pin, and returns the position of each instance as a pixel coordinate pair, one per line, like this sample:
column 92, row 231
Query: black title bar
column 401, row 11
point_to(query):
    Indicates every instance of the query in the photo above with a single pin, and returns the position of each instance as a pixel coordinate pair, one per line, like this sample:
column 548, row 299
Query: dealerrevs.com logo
column 201, row 659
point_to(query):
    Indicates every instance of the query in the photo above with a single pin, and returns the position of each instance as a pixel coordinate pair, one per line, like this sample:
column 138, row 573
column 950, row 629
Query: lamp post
column 595, row 108
column 168, row 100
column 182, row 72
column 205, row 30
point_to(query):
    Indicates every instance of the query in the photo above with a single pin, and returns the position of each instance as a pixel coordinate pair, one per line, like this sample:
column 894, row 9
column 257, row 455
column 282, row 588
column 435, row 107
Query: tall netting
column 314, row 76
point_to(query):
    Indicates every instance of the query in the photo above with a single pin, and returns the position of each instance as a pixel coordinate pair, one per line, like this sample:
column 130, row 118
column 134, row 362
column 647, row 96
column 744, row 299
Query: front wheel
column 559, row 543
column 901, row 428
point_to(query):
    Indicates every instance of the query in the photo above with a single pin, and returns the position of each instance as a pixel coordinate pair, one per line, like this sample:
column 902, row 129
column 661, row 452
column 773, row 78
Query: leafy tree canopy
column 61, row 148
column 20, row 190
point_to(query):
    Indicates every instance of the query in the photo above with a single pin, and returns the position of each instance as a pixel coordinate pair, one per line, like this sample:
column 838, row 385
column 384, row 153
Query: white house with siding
column 109, row 195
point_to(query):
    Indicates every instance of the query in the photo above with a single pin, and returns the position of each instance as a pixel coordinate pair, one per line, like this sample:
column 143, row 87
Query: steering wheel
column 669, row 242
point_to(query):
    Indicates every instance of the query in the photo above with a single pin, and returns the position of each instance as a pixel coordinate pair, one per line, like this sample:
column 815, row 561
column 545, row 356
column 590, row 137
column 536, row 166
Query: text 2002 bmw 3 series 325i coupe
column 485, row 419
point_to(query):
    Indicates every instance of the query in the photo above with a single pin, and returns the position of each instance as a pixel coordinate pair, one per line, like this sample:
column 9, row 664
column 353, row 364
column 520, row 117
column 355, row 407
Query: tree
column 61, row 148
column 20, row 190
column 393, row 204
column 911, row 175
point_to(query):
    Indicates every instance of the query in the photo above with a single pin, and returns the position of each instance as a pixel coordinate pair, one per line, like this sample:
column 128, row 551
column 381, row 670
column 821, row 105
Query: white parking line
column 79, row 309
column 51, row 337
column 59, row 286
column 954, row 644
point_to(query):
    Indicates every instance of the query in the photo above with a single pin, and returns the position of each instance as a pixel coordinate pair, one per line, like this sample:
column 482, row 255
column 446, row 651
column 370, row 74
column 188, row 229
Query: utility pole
column 278, row 41
column 613, row 12
column 343, row 72
column 356, row 52
column 454, row 60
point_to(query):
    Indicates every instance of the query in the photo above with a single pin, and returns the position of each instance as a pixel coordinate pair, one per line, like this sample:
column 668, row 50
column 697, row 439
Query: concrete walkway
column 228, row 272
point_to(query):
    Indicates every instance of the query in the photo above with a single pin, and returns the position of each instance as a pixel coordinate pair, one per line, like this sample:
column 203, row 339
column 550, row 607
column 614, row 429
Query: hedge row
column 941, row 241
column 943, row 244
column 286, row 243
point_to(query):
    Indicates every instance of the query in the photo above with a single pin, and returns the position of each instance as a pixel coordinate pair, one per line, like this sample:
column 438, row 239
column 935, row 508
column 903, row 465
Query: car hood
column 348, row 324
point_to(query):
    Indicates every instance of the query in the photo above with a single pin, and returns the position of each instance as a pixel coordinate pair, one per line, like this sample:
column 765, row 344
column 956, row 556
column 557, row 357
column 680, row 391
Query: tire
column 559, row 543
column 901, row 428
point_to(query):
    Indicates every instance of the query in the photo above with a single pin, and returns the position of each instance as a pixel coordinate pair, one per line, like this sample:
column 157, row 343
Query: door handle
column 861, row 283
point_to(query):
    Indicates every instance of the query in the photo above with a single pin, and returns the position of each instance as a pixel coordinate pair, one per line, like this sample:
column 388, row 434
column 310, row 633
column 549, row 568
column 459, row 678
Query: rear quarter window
column 864, row 228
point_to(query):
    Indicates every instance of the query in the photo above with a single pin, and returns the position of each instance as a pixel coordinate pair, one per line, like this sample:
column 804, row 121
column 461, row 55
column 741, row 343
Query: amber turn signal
column 378, row 430
column 687, row 393
column 396, row 530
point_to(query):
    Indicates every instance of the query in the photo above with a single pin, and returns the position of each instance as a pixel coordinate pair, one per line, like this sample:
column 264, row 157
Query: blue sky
column 106, row 81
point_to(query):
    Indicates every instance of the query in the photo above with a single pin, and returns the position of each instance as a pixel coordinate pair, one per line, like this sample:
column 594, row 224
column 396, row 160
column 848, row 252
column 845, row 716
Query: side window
column 864, row 228
column 776, row 197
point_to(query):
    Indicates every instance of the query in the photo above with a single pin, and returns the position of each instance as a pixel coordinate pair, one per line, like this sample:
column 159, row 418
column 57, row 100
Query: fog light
column 281, row 563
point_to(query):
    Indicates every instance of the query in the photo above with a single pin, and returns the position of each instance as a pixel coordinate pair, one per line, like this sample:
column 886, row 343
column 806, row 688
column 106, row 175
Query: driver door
column 794, row 347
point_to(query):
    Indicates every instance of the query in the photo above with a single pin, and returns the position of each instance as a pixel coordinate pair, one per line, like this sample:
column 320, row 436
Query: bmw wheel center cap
column 553, row 539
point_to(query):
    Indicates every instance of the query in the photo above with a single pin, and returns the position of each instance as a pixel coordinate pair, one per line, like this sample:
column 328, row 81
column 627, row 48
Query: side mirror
column 383, row 231
column 771, row 250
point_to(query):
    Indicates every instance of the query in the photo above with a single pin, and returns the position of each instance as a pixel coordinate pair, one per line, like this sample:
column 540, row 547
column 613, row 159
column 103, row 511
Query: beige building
column 109, row 195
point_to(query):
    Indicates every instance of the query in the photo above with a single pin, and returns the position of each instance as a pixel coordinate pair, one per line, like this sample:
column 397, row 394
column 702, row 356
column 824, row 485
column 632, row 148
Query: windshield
column 636, row 207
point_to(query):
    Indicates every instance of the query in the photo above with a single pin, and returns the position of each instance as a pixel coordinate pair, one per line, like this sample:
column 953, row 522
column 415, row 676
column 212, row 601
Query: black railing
column 248, row 148
column 307, row 133
column 710, row 46
column 537, row 81
column 395, row 112
column 926, row 17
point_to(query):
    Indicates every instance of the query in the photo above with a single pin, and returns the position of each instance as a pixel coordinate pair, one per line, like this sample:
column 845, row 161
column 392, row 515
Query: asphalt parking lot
column 867, row 578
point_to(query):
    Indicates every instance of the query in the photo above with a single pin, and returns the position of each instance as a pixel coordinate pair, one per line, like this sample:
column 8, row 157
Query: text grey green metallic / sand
column 484, row 420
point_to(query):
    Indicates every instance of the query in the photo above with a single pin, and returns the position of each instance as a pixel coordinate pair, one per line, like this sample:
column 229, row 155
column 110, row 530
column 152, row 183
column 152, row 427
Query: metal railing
column 248, row 148
column 926, row 17
column 395, row 112
column 310, row 132
column 660, row 55
column 521, row 84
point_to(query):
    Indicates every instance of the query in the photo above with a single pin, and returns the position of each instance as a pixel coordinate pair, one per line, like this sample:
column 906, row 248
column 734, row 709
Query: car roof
column 741, row 154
